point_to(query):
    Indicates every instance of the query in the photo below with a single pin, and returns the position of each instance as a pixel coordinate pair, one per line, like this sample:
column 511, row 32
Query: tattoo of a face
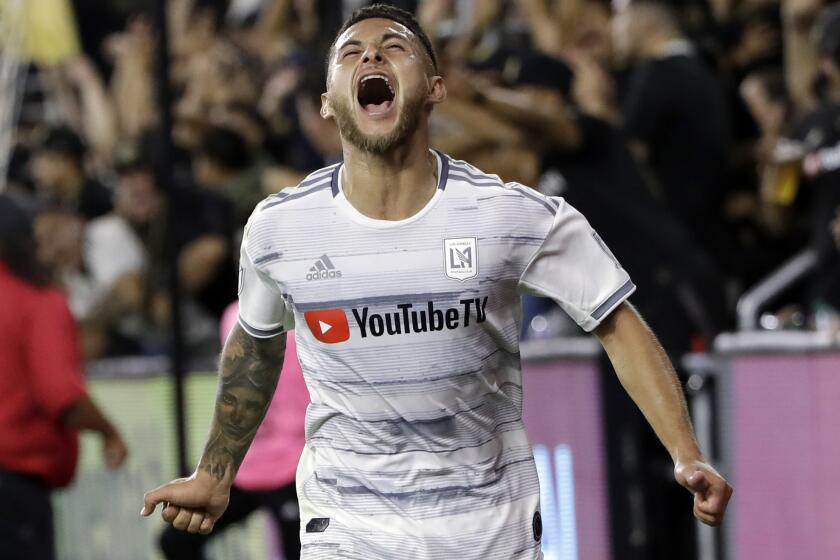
column 249, row 370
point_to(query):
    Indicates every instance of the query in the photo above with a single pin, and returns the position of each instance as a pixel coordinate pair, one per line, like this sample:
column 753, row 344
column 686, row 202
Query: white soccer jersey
column 408, row 336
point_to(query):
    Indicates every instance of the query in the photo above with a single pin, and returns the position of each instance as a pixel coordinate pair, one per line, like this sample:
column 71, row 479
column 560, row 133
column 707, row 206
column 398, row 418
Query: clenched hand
column 191, row 504
column 710, row 489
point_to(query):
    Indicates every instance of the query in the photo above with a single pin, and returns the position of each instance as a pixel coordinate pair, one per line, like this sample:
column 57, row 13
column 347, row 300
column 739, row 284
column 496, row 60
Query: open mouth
column 375, row 94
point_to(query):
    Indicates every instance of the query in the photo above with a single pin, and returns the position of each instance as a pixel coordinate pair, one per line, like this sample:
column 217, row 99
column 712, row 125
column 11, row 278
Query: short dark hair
column 17, row 243
column 393, row 13
column 225, row 147
column 63, row 140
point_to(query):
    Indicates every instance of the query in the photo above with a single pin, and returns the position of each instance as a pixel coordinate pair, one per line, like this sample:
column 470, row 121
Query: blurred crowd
column 700, row 138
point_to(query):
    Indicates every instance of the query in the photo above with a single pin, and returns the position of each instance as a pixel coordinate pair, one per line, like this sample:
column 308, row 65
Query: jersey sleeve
column 575, row 268
column 263, row 311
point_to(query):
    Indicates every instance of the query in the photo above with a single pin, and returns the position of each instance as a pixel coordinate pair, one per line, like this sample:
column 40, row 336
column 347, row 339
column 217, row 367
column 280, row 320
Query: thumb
column 168, row 492
column 152, row 498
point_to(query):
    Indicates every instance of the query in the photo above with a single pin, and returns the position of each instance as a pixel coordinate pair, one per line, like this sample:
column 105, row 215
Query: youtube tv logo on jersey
column 328, row 325
column 331, row 326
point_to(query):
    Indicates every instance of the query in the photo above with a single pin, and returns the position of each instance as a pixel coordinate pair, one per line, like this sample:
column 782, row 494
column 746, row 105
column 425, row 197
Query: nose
column 372, row 55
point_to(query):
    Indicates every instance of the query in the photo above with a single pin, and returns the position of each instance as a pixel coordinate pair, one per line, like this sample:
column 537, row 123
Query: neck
column 391, row 186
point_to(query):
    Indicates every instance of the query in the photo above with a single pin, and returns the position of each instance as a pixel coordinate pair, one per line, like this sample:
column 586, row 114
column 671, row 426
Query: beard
column 379, row 144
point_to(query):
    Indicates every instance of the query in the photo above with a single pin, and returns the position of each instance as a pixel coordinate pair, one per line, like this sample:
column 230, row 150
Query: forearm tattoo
column 248, row 374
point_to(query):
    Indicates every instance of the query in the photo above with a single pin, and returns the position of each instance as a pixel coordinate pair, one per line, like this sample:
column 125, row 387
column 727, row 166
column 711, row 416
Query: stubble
column 379, row 144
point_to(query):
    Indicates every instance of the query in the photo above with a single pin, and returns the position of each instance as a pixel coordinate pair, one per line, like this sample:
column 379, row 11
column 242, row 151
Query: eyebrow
column 392, row 35
column 350, row 42
column 385, row 37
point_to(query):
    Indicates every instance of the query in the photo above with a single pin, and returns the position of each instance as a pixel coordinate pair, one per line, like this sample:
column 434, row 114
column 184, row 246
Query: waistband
column 23, row 478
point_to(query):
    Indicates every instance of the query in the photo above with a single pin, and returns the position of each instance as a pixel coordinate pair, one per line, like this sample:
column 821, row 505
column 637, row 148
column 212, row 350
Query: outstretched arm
column 249, row 370
column 649, row 378
column 554, row 122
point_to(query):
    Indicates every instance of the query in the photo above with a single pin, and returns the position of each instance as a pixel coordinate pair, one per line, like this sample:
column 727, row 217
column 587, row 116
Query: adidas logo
column 323, row 269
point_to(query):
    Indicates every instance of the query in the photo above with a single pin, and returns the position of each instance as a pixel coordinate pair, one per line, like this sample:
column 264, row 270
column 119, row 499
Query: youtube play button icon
column 328, row 325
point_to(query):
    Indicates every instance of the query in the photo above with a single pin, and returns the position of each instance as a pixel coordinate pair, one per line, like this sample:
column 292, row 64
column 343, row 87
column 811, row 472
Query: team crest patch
column 461, row 258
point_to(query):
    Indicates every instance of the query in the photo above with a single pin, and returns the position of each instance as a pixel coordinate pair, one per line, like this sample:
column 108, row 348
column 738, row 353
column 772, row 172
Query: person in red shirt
column 44, row 398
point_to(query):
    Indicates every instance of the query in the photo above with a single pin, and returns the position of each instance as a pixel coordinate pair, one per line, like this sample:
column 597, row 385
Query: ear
column 437, row 91
column 326, row 111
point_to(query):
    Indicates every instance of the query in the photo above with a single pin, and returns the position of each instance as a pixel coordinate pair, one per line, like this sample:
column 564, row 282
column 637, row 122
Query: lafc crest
column 461, row 257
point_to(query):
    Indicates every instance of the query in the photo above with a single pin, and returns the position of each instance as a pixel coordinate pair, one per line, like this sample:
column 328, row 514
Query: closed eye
column 345, row 54
column 395, row 46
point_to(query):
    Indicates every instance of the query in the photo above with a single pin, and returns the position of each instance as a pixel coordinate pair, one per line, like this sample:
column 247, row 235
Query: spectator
column 18, row 176
column 203, row 236
column 58, row 170
column 563, row 27
column 815, row 141
column 758, row 45
column 132, row 86
column 766, row 97
column 585, row 159
column 253, row 70
column 674, row 115
column 114, row 267
column 99, row 266
column 224, row 164
column 466, row 128
column 45, row 401
column 246, row 120
column 221, row 76
column 266, row 478
column 766, row 223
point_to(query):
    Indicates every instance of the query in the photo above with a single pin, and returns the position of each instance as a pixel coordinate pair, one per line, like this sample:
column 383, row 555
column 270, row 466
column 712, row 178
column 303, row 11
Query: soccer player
column 400, row 270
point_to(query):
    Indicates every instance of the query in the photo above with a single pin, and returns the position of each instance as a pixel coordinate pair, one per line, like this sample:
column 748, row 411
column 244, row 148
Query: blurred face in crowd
column 592, row 34
column 207, row 172
column 637, row 27
column 137, row 198
column 380, row 85
column 55, row 173
column 58, row 237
